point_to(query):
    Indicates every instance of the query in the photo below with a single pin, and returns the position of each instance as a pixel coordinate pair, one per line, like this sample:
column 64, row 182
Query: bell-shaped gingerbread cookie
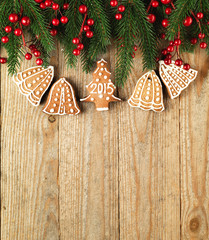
column 34, row 82
column 61, row 99
column 101, row 88
column 148, row 93
column 176, row 78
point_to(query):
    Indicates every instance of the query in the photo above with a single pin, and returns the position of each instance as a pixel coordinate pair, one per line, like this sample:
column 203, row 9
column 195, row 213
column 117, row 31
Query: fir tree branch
column 134, row 28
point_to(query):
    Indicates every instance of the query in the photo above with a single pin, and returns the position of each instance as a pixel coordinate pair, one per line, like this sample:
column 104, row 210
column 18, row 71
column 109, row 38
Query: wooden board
column 122, row 174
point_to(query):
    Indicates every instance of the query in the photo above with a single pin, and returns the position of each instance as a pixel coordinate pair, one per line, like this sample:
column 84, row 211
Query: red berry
column 168, row 10
column 121, row 8
column 133, row 54
column 135, row 48
column 48, row 3
column 37, row 53
column 193, row 41
column 55, row 6
column 32, row 46
column 118, row 16
column 163, row 35
column 80, row 46
column 157, row 59
column 83, row 9
column 8, row 29
column 53, row 32
column 38, row 1
column 18, row 32
column 201, row 35
column 169, row 56
column 39, row 61
column 200, row 15
column 177, row 42
column 55, row 22
column 113, row 3
column 151, row 18
column 86, row 28
column 170, row 48
column 13, row 17
column 171, row 43
column 165, row 1
column 167, row 61
column 5, row 39
column 42, row 5
column 64, row 19
column 3, row 60
column 90, row 22
column 187, row 21
column 76, row 52
column 33, row 50
column 25, row 21
column 203, row 45
column 165, row 23
column 89, row 34
column 164, row 51
column 178, row 62
column 186, row 66
column 76, row 41
column 28, row 56
column 155, row 4
column 65, row 6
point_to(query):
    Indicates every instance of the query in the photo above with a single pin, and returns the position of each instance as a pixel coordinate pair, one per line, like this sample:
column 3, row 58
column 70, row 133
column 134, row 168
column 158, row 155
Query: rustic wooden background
column 121, row 174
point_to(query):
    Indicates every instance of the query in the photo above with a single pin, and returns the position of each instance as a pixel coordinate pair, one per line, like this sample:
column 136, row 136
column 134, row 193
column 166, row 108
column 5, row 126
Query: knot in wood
column 51, row 119
column 194, row 224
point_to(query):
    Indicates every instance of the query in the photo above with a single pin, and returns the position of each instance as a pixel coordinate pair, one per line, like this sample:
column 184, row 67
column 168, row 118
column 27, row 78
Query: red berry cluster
column 36, row 53
column 87, row 28
column 121, row 8
column 188, row 22
column 56, row 7
column 166, row 52
column 14, row 19
column 155, row 4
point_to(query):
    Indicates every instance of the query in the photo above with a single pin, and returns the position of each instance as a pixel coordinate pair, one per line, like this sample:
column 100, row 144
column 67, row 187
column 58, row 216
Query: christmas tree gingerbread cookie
column 148, row 93
column 101, row 88
column 34, row 82
column 61, row 99
column 175, row 78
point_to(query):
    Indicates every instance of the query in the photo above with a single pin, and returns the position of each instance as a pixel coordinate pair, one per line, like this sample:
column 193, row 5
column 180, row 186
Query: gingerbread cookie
column 176, row 78
column 148, row 93
column 61, row 99
column 34, row 82
column 101, row 89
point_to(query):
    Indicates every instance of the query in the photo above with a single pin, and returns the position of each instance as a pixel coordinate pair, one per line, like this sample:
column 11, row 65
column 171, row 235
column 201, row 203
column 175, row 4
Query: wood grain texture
column 29, row 167
column 120, row 174
column 88, row 147
column 149, row 169
column 194, row 154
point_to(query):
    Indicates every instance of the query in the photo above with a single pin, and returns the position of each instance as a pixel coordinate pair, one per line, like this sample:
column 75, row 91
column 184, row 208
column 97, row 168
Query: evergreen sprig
column 132, row 30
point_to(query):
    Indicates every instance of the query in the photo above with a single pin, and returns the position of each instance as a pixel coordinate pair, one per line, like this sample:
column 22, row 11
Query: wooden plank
column 148, row 168
column 88, row 150
column 194, row 142
column 29, row 167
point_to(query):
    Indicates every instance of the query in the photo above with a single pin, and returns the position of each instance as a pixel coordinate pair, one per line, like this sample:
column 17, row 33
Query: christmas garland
column 86, row 28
